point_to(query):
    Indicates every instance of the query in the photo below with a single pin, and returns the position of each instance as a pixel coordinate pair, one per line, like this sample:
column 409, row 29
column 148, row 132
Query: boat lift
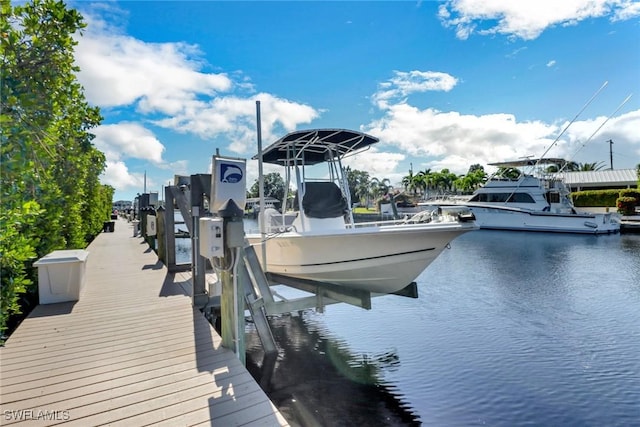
column 216, row 228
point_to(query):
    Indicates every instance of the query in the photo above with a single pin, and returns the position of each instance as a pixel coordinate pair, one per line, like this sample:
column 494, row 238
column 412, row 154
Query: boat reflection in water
column 318, row 381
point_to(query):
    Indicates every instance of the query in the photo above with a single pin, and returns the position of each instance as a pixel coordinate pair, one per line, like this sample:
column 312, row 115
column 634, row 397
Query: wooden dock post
column 169, row 226
column 160, row 234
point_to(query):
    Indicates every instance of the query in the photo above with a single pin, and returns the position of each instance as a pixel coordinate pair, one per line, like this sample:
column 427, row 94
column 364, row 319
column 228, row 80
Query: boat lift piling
column 178, row 195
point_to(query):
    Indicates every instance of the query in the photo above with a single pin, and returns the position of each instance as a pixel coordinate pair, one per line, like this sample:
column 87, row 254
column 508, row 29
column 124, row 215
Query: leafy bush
column 631, row 192
column 626, row 205
column 50, row 194
column 18, row 249
column 601, row 198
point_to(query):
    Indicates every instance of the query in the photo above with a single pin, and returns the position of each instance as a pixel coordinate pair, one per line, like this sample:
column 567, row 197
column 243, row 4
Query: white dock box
column 61, row 275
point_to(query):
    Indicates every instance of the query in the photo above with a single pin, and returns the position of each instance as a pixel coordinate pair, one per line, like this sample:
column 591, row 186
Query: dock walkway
column 132, row 351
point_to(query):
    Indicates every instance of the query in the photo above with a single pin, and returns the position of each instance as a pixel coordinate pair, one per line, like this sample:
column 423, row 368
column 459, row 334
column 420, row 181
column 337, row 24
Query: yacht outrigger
column 323, row 243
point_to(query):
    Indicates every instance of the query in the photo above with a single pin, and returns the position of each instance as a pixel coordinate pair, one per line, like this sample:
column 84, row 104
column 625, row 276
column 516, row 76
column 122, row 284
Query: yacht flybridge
column 538, row 202
column 322, row 243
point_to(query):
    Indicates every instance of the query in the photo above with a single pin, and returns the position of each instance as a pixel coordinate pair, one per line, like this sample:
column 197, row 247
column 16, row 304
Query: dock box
column 61, row 275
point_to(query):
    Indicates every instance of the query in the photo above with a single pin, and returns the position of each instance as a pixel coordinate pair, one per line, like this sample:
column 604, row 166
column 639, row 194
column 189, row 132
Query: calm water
column 509, row 329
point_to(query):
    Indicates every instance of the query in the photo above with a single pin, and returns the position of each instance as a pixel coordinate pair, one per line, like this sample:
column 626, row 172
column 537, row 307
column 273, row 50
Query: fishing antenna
column 596, row 131
column 571, row 122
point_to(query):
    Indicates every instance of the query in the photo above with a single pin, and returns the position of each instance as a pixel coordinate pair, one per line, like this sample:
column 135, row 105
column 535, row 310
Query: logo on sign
column 230, row 173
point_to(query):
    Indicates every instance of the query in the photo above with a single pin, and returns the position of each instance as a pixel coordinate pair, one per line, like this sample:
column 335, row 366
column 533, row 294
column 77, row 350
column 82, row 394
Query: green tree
column 443, row 180
column 423, row 181
column 379, row 187
column 274, row 186
column 595, row 166
column 50, row 191
column 409, row 182
column 509, row 173
column 472, row 180
column 357, row 181
column 474, row 168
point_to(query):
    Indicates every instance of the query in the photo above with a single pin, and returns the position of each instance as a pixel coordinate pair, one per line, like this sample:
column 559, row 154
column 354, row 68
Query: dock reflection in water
column 509, row 329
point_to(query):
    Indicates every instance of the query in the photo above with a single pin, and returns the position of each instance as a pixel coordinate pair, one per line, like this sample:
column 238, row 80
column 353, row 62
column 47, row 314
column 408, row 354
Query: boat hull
column 381, row 259
column 502, row 218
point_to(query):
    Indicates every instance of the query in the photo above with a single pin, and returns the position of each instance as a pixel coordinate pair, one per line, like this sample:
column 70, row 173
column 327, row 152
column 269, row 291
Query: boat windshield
column 502, row 198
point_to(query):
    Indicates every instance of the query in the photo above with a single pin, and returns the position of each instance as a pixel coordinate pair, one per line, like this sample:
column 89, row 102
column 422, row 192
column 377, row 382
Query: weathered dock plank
column 132, row 351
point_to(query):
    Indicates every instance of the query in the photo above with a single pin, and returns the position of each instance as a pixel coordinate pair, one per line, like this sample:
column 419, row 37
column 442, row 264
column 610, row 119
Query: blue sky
column 442, row 84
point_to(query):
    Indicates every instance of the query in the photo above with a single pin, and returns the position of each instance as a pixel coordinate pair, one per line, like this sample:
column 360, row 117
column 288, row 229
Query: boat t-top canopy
column 529, row 162
column 315, row 146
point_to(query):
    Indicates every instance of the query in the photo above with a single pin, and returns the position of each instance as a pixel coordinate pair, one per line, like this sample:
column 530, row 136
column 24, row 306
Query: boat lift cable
column 596, row 131
column 571, row 122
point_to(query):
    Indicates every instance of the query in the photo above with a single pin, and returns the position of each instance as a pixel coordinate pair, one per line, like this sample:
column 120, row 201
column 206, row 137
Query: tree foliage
column 274, row 186
column 51, row 196
column 576, row 167
column 358, row 184
column 508, row 172
column 470, row 182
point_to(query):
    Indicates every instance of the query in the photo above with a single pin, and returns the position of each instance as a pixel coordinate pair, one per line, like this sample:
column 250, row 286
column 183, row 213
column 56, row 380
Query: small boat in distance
column 538, row 202
column 323, row 243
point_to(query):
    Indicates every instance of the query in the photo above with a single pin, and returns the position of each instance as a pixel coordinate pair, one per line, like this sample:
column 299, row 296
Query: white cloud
column 118, row 176
column 450, row 137
column 128, row 140
column 587, row 140
column 379, row 164
column 403, row 83
column 454, row 140
column 123, row 141
column 235, row 118
column 551, row 63
column 527, row 19
column 119, row 70
column 165, row 82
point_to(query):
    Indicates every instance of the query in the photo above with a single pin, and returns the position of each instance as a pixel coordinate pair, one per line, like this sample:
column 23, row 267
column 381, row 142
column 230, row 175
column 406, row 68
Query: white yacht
column 323, row 243
column 534, row 203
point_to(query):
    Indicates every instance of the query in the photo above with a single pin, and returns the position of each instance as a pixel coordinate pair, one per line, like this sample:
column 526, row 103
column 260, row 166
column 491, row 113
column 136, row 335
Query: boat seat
column 323, row 200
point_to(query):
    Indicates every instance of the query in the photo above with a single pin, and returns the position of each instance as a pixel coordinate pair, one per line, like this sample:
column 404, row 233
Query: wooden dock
column 132, row 351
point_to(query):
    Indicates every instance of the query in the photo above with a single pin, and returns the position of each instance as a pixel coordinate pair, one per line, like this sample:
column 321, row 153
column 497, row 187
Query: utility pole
column 611, row 153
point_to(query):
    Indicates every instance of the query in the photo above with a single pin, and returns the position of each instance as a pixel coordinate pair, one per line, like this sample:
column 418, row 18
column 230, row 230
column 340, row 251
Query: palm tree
column 596, row 166
column 510, row 173
column 408, row 182
column 443, row 180
column 374, row 188
column 380, row 186
column 423, row 181
column 571, row 167
column 472, row 180
column 363, row 193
